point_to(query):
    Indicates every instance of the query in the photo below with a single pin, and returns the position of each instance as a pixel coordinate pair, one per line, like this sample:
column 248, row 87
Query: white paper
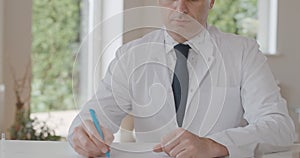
column 135, row 150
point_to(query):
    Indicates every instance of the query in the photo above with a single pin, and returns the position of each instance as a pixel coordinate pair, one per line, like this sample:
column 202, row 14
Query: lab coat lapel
column 204, row 62
column 209, row 64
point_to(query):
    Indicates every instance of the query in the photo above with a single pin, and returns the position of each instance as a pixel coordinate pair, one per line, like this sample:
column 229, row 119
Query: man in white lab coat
column 231, row 103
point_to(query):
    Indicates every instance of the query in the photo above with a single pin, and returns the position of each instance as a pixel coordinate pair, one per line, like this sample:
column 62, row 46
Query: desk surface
column 34, row 149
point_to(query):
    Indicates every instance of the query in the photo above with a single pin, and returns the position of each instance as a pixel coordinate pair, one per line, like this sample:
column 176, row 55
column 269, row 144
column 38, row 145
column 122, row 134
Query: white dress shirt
column 233, row 97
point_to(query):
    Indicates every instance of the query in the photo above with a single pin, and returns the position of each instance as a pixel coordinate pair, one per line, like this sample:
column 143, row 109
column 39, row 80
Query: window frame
column 94, row 62
column 268, row 23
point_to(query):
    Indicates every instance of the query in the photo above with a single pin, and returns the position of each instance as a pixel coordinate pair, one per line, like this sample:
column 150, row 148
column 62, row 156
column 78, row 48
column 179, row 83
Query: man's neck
column 179, row 38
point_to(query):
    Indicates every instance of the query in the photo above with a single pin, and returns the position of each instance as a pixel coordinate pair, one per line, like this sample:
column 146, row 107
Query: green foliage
column 235, row 16
column 55, row 31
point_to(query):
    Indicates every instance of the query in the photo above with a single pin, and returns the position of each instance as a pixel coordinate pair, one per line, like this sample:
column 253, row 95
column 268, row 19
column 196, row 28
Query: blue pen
column 97, row 125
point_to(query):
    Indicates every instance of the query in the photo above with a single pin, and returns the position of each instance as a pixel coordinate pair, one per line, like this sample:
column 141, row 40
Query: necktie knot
column 182, row 48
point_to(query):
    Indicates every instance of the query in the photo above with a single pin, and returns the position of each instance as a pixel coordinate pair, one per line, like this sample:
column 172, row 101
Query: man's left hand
column 183, row 144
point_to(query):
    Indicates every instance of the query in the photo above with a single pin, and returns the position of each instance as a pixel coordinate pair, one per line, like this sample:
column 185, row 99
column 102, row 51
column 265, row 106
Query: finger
column 170, row 146
column 78, row 147
column 171, row 140
column 83, row 152
column 95, row 136
column 178, row 149
column 99, row 143
column 157, row 148
column 108, row 136
column 167, row 138
column 91, row 130
column 80, row 151
column 183, row 154
column 174, row 135
column 85, row 142
column 80, row 141
column 79, row 133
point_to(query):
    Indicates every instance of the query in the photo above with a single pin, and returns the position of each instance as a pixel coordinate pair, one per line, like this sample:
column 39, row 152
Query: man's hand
column 184, row 144
column 87, row 142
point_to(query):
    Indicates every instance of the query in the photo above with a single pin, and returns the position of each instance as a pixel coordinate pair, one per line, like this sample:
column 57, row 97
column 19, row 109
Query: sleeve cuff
column 234, row 150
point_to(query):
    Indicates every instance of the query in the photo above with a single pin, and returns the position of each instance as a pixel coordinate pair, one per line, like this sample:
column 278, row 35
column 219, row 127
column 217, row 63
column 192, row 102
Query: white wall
column 131, row 19
column 1, row 40
column 286, row 65
column 17, row 50
column 139, row 21
column 1, row 65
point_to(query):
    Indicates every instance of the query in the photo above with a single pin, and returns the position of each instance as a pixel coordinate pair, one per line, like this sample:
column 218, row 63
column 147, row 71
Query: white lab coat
column 233, row 97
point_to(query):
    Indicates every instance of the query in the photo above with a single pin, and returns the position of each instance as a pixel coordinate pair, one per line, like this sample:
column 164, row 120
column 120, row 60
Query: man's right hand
column 87, row 142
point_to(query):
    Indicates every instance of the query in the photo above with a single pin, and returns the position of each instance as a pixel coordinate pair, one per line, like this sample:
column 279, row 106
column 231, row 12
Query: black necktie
column 180, row 83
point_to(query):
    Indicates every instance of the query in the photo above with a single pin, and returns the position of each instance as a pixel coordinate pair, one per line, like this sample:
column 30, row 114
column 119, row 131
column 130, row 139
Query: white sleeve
column 111, row 101
column 269, row 124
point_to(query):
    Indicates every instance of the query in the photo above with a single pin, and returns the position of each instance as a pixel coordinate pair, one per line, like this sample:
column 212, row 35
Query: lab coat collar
column 202, row 44
column 170, row 42
column 205, row 46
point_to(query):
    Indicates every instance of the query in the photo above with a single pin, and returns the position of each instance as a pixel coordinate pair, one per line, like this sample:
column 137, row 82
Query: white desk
column 37, row 149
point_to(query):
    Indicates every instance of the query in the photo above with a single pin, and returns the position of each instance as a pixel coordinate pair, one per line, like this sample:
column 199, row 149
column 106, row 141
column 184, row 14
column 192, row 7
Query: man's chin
column 180, row 29
column 181, row 22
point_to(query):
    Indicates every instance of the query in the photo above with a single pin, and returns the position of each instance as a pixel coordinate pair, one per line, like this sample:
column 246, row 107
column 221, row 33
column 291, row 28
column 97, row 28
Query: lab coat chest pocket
column 229, row 101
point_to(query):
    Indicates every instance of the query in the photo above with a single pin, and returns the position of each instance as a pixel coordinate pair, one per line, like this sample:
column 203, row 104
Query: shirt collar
column 169, row 42
column 193, row 42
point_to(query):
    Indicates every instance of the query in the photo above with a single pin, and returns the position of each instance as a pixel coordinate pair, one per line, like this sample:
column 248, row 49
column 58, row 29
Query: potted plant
column 24, row 127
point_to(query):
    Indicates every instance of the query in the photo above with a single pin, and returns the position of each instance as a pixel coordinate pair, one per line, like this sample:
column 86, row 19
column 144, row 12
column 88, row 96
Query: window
column 251, row 18
column 68, row 58
column 56, row 32
column 101, row 36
